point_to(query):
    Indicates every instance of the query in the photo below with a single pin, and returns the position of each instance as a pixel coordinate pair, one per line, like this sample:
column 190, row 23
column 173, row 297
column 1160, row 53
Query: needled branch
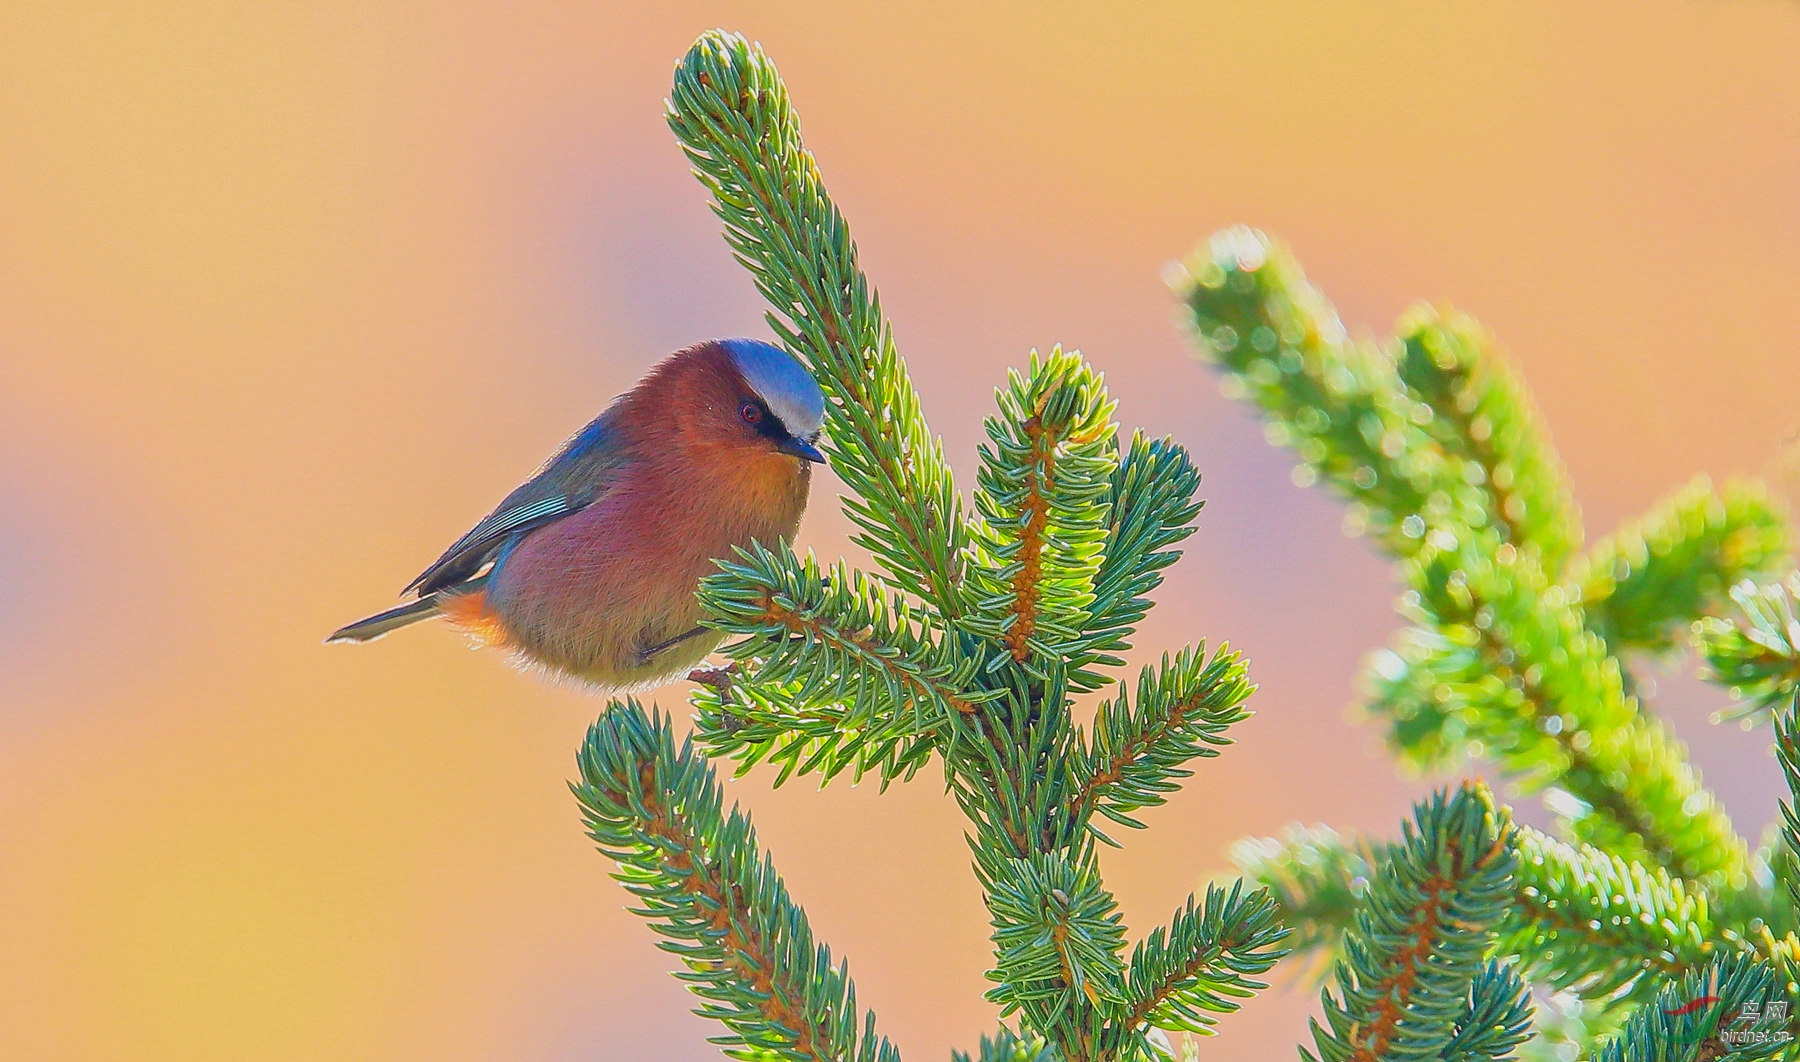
column 658, row 813
column 1439, row 449
column 1579, row 919
column 1476, row 409
column 1009, row 1046
column 1042, row 493
column 1511, row 660
column 1758, row 656
column 1317, row 878
column 1151, row 508
column 994, row 618
column 1182, row 977
column 1641, row 586
column 1494, row 1019
column 730, row 110
column 1710, row 1013
column 843, row 637
column 1183, row 709
column 741, row 714
column 1057, row 938
column 1335, row 400
column 1418, row 943
column 1787, row 750
column 1588, row 921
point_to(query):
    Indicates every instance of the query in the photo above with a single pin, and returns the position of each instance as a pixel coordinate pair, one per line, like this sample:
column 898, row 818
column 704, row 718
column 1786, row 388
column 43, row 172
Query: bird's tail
column 367, row 630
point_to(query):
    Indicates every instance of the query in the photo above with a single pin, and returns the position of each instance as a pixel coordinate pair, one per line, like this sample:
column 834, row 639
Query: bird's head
column 779, row 403
column 739, row 400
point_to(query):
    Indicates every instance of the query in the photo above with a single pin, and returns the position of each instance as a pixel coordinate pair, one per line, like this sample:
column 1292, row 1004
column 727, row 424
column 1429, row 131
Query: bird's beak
column 802, row 448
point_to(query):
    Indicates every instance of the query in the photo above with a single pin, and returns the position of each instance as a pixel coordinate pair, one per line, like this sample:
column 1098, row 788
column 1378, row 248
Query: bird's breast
column 587, row 594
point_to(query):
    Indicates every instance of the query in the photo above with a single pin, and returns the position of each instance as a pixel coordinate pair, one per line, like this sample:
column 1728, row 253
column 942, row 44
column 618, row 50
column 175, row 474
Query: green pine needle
column 1438, row 447
column 1207, row 959
column 1480, row 414
column 994, row 615
column 1317, row 877
column 1589, row 921
column 1336, row 401
column 1404, row 981
column 1579, row 920
column 841, row 636
column 1787, row 750
column 1042, row 495
column 1183, row 709
column 1689, row 1020
column 1532, row 688
column 1644, row 584
column 1009, row 1046
column 1151, row 508
column 1757, row 657
column 730, row 110
column 704, row 886
column 1495, row 1018
column 1057, row 938
column 742, row 715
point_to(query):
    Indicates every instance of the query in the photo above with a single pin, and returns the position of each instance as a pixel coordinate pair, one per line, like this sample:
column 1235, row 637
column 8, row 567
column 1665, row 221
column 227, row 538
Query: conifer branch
column 1758, row 657
column 1495, row 1018
column 1317, row 879
column 1057, row 938
column 1016, row 780
column 1151, row 508
column 1042, row 493
column 843, row 637
column 741, row 715
column 1537, row 691
column 1578, row 919
column 1787, row 750
column 1418, row 943
column 1208, row 958
column 1479, row 412
column 1588, row 921
column 730, row 110
column 1645, row 583
column 1759, row 910
column 696, row 869
column 1183, row 709
column 1437, row 434
column 1334, row 400
column 1567, row 1027
column 1008, row 1046
column 1442, row 447
column 993, row 618
column 1686, row 1020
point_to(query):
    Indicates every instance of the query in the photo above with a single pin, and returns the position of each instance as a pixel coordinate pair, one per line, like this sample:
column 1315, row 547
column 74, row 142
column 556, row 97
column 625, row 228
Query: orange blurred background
column 290, row 294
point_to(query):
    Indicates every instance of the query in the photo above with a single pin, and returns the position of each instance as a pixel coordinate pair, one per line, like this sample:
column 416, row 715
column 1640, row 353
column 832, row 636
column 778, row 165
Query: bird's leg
column 646, row 654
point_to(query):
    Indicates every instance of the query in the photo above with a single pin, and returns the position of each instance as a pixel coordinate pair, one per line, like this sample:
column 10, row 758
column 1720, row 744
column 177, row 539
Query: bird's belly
column 589, row 595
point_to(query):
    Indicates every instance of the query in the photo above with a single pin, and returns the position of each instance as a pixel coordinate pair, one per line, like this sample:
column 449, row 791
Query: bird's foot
column 719, row 678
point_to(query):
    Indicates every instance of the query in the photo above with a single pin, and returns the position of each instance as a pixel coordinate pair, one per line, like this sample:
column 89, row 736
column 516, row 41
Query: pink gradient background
column 291, row 294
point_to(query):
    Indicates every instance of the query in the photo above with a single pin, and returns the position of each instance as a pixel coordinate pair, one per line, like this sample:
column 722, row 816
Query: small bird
column 589, row 569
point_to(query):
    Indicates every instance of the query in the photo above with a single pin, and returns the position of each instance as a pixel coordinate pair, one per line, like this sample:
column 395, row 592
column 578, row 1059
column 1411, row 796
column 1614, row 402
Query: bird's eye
column 751, row 412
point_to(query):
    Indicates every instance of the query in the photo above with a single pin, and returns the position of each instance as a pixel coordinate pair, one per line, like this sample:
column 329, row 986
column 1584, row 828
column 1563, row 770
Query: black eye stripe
column 761, row 419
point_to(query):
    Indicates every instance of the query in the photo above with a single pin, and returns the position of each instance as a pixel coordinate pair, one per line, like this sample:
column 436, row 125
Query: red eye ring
column 751, row 413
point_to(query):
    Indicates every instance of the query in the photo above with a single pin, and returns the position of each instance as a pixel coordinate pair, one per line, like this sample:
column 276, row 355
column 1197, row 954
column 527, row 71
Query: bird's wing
column 581, row 473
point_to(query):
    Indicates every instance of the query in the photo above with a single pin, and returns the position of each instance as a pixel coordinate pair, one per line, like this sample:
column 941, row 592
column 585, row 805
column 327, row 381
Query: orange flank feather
column 469, row 612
